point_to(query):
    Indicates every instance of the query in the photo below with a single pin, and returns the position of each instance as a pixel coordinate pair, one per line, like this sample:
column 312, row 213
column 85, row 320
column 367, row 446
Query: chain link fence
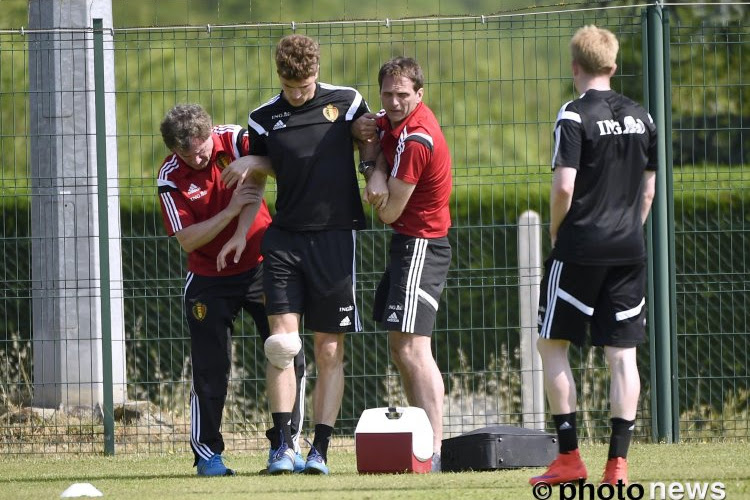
column 495, row 83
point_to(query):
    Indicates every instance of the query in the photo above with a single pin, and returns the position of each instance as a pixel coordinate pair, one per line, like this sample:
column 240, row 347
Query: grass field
column 171, row 477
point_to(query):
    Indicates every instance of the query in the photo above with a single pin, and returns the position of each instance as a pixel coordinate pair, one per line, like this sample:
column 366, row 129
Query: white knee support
column 281, row 349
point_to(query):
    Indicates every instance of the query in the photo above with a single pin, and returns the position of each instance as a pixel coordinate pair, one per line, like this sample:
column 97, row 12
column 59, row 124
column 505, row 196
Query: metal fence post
column 650, row 294
column 529, row 283
column 101, row 173
column 661, row 230
column 670, row 225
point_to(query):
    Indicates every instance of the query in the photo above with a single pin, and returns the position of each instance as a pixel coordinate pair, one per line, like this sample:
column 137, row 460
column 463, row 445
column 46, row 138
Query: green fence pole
column 670, row 224
column 101, row 174
column 650, row 294
column 662, row 325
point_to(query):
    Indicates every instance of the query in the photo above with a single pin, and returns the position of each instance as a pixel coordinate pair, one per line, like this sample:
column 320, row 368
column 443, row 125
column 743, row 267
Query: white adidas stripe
column 554, row 281
column 355, row 102
column 195, row 427
column 357, row 319
column 169, row 205
column 413, row 278
column 623, row 315
column 588, row 311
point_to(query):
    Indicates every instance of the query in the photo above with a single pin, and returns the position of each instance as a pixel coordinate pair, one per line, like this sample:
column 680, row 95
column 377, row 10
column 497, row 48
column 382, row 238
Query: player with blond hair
column 604, row 166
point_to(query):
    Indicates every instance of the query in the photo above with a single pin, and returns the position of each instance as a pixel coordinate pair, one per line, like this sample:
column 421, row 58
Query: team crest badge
column 331, row 112
column 199, row 310
column 223, row 159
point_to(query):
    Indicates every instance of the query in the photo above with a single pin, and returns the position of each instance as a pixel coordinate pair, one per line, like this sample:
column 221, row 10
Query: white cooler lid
column 404, row 419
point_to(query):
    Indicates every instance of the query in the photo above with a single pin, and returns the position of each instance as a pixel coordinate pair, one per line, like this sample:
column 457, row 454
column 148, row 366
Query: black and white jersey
column 312, row 154
column 610, row 140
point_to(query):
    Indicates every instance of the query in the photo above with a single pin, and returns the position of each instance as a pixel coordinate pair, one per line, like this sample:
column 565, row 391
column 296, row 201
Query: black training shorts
column 611, row 298
column 408, row 295
column 312, row 273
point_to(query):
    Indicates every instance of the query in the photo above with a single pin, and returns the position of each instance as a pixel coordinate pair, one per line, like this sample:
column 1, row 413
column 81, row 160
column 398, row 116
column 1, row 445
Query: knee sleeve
column 281, row 349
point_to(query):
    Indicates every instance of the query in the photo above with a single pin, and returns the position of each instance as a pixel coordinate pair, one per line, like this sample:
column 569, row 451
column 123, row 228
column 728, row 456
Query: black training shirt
column 610, row 140
column 312, row 154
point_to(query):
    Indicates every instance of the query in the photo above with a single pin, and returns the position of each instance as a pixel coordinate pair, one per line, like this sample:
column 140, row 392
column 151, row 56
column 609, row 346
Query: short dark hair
column 297, row 57
column 402, row 66
column 182, row 124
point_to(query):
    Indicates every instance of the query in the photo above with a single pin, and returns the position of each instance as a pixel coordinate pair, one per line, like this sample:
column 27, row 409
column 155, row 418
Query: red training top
column 189, row 196
column 417, row 153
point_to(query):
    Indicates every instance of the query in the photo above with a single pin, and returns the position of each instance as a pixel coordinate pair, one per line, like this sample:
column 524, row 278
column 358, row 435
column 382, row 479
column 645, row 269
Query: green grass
column 167, row 477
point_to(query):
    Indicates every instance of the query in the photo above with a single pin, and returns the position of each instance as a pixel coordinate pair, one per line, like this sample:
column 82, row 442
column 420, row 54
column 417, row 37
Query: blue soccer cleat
column 299, row 460
column 281, row 461
column 214, row 466
column 299, row 463
column 315, row 464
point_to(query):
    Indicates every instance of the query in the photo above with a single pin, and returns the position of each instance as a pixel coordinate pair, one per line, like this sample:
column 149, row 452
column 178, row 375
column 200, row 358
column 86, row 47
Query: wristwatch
column 365, row 166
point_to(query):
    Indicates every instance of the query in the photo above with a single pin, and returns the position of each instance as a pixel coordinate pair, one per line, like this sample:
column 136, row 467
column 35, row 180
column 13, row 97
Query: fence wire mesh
column 711, row 143
column 495, row 84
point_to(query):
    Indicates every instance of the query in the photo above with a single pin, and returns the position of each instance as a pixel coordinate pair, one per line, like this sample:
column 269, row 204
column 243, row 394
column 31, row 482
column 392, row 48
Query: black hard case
column 499, row 447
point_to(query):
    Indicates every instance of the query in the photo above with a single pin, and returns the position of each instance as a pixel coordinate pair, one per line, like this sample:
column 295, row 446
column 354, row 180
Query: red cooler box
column 393, row 440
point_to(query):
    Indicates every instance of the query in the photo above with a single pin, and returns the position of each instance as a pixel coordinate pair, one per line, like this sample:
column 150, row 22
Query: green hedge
column 477, row 325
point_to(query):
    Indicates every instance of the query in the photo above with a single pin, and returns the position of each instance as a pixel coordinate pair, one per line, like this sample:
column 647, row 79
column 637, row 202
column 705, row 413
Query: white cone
column 81, row 490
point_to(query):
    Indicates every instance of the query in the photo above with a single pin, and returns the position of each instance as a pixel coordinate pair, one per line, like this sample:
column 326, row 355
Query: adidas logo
column 565, row 426
column 346, row 321
column 193, row 189
column 279, row 124
column 392, row 318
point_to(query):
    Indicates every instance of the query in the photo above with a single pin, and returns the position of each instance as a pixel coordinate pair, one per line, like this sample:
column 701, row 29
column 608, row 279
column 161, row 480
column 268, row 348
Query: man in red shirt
column 202, row 213
column 419, row 186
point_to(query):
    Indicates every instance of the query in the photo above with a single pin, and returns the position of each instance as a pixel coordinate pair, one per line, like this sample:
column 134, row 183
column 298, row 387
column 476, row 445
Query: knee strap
column 281, row 349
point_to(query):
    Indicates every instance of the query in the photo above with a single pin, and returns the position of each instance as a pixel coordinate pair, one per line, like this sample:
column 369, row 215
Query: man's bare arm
column 649, row 191
column 561, row 196
column 239, row 169
column 201, row 233
column 255, row 180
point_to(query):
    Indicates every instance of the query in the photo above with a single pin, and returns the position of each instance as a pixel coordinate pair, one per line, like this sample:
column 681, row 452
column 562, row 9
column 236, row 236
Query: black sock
column 619, row 441
column 322, row 438
column 283, row 432
column 273, row 436
column 565, row 425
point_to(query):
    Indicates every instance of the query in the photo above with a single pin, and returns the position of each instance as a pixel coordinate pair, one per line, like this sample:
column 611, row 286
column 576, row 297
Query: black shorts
column 213, row 302
column 311, row 273
column 408, row 294
column 610, row 298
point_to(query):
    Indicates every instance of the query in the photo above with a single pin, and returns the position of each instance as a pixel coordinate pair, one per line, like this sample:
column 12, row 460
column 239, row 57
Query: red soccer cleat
column 616, row 470
column 566, row 468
